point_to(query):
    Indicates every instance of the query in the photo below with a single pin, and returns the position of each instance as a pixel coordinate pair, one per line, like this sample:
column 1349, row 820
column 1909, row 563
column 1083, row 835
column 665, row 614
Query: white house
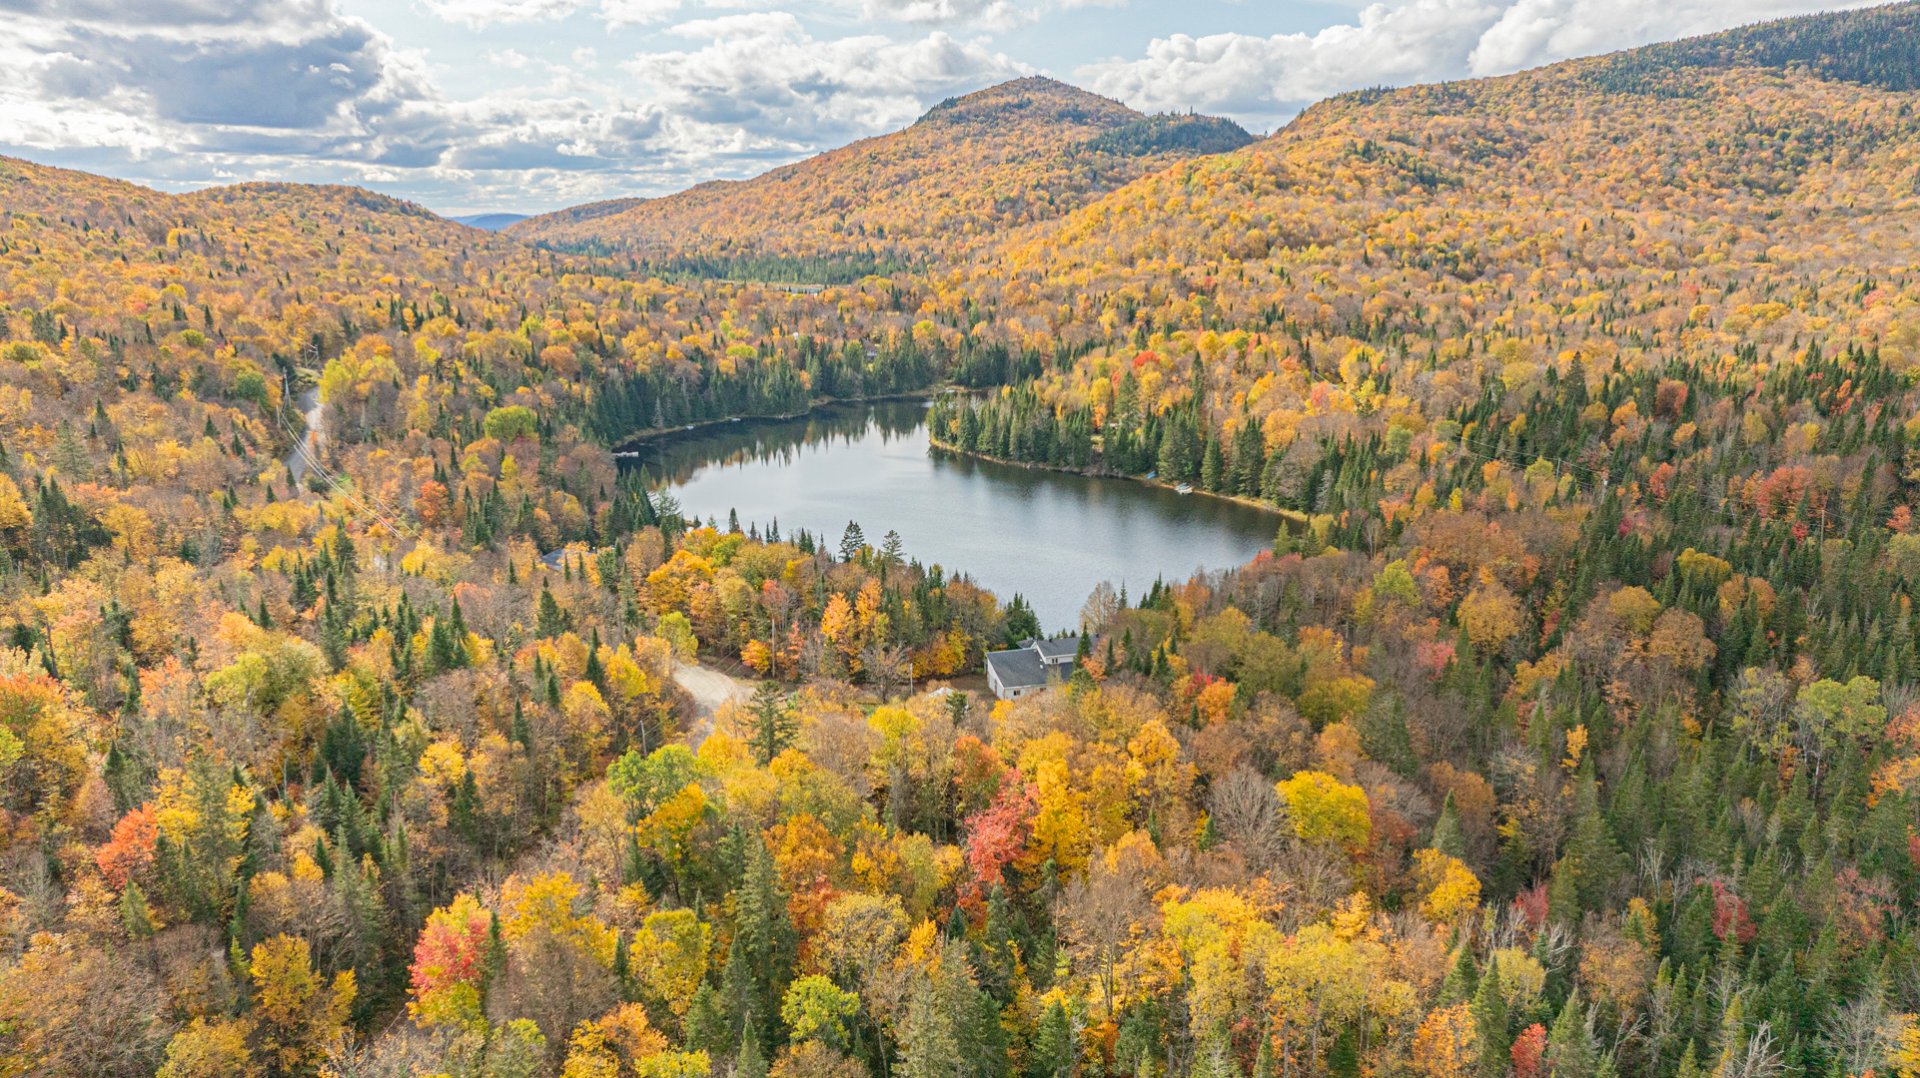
column 1030, row 667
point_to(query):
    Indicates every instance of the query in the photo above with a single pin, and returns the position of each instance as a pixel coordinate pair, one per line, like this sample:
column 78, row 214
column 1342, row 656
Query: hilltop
column 969, row 171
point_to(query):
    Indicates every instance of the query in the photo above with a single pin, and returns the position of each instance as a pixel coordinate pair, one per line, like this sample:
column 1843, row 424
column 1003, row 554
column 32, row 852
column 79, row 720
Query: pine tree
column 1051, row 1055
column 552, row 620
column 70, row 455
column 1571, row 1052
column 135, row 915
column 851, row 541
column 1490, row 1022
column 1460, row 982
column 773, row 722
column 1447, row 836
column 706, row 1024
column 759, row 961
column 752, row 1060
column 1212, row 466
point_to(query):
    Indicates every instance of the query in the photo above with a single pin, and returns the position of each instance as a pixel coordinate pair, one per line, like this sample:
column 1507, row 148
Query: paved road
column 710, row 689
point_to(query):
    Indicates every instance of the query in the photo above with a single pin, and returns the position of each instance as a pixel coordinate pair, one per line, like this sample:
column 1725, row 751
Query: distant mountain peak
column 489, row 222
column 1035, row 96
column 972, row 170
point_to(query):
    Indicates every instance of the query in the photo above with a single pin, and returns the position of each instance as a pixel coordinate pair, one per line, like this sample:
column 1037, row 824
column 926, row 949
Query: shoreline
column 627, row 446
column 1292, row 516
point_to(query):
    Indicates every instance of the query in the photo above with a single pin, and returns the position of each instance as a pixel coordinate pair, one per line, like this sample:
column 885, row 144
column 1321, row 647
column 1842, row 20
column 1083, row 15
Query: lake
column 1048, row 536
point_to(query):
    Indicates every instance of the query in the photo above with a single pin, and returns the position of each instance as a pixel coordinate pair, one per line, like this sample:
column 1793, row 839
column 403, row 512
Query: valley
column 1048, row 538
column 1527, row 684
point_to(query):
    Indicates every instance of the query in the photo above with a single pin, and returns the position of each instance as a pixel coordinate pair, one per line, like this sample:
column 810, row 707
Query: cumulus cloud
column 483, row 13
column 764, row 75
column 187, row 92
column 974, row 14
column 1252, row 76
column 610, row 97
column 1265, row 79
column 234, row 77
column 488, row 12
column 1532, row 32
column 979, row 13
column 621, row 13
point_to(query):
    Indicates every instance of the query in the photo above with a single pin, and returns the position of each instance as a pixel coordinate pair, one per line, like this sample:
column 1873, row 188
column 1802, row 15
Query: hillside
column 969, row 171
column 1681, row 202
column 1569, row 728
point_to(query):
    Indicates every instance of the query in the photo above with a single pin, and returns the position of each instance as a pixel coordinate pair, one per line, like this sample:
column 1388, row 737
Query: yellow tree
column 1451, row 889
column 670, row 952
column 1446, row 1044
column 1216, row 937
column 300, row 1018
column 1327, row 811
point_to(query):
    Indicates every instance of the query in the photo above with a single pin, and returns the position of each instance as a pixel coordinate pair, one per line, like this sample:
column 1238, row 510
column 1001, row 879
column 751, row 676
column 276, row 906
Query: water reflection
column 675, row 458
column 1047, row 535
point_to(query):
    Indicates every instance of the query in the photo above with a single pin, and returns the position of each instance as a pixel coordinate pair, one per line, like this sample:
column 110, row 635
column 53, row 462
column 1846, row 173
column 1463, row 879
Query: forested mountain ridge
column 968, row 171
column 1526, row 220
column 1577, row 733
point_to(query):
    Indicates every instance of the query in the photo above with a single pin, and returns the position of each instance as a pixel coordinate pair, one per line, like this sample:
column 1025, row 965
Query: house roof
column 1065, row 647
column 1020, row 668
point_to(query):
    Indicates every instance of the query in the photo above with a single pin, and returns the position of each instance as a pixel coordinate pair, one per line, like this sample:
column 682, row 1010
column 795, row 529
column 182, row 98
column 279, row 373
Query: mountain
column 1733, row 194
column 490, row 222
column 1569, row 725
column 968, row 172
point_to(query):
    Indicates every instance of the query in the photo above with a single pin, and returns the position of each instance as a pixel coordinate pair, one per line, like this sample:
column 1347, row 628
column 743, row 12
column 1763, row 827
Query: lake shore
column 1046, row 534
column 1292, row 516
column 628, row 446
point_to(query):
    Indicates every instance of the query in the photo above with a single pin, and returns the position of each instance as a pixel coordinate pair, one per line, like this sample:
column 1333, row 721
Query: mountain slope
column 1575, row 729
column 969, row 170
column 1684, row 200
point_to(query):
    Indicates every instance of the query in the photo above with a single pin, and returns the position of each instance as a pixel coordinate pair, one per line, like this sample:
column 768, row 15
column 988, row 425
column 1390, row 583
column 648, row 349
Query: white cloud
column 479, row 13
column 1532, row 32
column 1263, row 76
column 764, row 76
column 987, row 15
column 186, row 92
column 1265, row 79
column 752, row 25
column 247, row 78
column 621, row 13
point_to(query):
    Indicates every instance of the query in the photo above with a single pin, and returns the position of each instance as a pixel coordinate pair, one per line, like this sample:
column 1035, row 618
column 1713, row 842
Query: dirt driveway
column 710, row 689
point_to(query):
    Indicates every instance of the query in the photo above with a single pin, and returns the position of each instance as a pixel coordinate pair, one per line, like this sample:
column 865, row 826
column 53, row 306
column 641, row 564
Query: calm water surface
column 1048, row 536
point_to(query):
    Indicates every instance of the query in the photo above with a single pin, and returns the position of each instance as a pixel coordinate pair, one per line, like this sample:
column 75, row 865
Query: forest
column 1575, row 732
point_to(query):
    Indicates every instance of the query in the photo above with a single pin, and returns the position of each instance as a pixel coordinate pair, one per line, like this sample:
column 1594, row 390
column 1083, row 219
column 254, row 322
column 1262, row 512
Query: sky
column 531, row 105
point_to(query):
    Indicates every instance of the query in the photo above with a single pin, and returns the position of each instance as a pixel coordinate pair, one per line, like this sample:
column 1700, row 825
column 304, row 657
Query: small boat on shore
column 1183, row 488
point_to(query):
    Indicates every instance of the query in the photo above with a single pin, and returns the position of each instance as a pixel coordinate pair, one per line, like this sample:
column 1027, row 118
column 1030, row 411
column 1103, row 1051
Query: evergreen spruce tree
column 1447, row 837
column 752, row 1060
column 773, row 722
column 1461, row 980
column 1052, row 1053
column 761, row 957
column 1571, row 1052
column 1490, row 1022
column 851, row 541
